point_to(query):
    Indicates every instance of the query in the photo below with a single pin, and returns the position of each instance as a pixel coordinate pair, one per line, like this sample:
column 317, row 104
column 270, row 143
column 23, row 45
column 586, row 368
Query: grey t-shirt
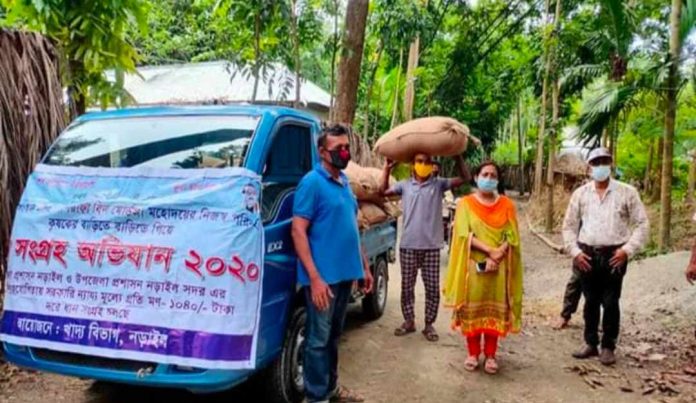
column 422, row 205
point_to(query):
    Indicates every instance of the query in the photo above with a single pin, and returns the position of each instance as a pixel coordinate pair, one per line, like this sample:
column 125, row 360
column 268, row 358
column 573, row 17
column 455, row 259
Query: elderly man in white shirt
column 614, row 228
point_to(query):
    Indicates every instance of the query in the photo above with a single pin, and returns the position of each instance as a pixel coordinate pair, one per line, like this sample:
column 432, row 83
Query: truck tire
column 374, row 303
column 284, row 381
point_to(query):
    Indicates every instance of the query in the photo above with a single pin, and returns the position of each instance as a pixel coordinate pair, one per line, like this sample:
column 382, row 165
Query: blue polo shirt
column 334, row 240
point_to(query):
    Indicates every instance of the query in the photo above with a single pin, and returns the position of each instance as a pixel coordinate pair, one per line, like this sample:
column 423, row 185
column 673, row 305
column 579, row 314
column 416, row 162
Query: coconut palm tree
column 609, row 99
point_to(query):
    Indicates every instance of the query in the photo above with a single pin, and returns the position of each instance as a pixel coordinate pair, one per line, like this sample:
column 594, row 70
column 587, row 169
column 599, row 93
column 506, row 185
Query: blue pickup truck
column 277, row 143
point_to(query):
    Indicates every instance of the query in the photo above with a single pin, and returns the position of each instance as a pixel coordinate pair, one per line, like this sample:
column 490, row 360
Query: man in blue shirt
column 327, row 241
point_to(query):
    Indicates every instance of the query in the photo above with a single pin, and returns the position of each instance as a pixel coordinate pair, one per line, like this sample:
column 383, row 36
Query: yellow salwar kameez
column 487, row 303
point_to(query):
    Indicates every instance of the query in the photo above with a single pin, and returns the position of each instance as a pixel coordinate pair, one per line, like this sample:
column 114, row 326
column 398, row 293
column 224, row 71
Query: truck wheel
column 374, row 303
column 284, row 379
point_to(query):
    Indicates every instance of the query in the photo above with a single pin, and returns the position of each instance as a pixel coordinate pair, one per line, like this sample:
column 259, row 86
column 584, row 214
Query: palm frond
column 603, row 102
column 622, row 24
column 688, row 20
column 577, row 77
column 648, row 74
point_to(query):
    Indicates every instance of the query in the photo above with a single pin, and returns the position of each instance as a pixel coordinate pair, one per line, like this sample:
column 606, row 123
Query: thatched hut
column 32, row 114
column 570, row 170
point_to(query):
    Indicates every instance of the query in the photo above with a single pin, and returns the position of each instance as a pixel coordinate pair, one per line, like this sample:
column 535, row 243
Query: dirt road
column 657, row 339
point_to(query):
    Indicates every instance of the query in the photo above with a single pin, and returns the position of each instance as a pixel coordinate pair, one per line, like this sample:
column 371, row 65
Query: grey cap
column 600, row 152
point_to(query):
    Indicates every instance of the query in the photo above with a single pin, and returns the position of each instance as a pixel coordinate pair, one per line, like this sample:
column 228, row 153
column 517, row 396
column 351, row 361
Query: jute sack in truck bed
column 362, row 221
column 436, row 136
column 365, row 182
column 373, row 214
column 392, row 209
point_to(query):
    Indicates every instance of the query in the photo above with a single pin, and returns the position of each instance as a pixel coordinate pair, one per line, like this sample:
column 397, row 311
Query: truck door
column 287, row 160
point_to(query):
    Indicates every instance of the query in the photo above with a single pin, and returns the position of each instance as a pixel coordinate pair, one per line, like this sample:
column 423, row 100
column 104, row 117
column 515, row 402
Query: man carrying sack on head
column 614, row 228
column 422, row 237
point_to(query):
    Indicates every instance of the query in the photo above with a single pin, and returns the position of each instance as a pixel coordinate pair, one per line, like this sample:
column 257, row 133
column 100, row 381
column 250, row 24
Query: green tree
column 480, row 64
column 259, row 27
column 677, row 36
column 180, row 31
column 91, row 36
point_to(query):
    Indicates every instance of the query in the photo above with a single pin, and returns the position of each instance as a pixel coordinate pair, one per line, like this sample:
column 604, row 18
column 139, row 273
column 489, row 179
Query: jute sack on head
column 373, row 214
column 435, row 136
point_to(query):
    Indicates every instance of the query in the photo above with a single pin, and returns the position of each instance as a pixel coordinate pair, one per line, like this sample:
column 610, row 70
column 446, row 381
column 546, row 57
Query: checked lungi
column 428, row 261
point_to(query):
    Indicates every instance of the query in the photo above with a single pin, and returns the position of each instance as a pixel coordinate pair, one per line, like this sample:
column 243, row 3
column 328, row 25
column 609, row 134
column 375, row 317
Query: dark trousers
column 323, row 333
column 601, row 287
column 571, row 297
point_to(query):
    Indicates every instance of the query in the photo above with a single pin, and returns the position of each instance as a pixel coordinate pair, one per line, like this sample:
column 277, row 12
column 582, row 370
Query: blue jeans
column 323, row 333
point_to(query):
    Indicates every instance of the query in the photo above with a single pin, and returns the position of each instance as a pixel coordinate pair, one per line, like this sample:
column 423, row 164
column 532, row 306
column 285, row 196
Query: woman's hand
column 498, row 254
column 491, row 265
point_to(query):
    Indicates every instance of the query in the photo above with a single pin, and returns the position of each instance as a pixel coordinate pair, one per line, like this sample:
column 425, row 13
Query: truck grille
column 89, row 361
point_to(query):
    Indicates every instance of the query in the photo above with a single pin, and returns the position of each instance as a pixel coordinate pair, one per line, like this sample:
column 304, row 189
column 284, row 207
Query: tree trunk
column 410, row 93
column 296, row 53
column 610, row 137
column 539, row 166
column 375, row 125
column 395, row 110
column 657, row 185
column 351, row 58
column 605, row 138
column 670, row 118
column 555, row 99
column 648, row 169
column 257, row 55
column 615, row 139
column 520, row 146
column 78, row 100
column 334, row 52
column 370, row 89
column 692, row 178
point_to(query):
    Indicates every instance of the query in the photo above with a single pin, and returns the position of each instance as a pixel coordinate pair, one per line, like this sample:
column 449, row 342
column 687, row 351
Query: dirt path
column 536, row 365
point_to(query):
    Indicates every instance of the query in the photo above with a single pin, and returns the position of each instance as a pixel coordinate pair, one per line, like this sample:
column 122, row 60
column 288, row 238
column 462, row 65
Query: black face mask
column 340, row 158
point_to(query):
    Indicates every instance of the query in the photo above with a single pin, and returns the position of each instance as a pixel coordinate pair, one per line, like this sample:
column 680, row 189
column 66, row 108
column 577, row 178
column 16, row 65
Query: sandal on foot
column 471, row 363
column 404, row 329
column 342, row 394
column 430, row 334
column 490, row 366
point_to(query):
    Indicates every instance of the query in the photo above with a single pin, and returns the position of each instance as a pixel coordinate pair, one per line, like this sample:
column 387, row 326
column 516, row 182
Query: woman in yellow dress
column 484, row 280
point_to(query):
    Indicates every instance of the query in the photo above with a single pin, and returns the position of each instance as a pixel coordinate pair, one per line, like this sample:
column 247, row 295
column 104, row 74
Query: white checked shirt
column 617, row 218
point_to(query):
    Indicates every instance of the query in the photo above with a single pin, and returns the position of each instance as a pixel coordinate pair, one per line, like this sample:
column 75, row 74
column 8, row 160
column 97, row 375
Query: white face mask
column 601, row 173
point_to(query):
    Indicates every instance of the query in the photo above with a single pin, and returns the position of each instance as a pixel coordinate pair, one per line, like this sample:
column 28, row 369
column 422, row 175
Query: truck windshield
column 158, row 142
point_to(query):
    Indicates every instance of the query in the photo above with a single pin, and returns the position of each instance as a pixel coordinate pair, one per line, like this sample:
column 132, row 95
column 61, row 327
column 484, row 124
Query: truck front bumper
column 125, row 371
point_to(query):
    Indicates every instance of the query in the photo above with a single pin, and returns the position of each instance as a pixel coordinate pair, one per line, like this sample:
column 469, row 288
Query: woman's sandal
column 404, row 329
column 344, row 395
column 471, row 363
column 430, row 334
column 490, row 366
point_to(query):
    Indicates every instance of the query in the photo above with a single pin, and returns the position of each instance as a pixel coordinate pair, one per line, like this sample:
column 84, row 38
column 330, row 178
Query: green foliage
column 90, row 34
column 506, row 153
column 178, row 31
column 644, row 125
column 481, row 78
